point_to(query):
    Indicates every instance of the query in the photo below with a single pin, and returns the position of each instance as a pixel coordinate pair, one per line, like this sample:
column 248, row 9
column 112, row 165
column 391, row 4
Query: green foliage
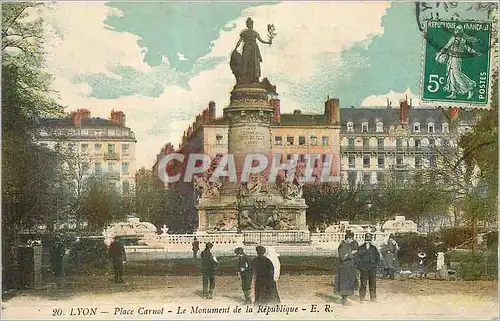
column 479, row 266
column 491, row 240
column 88, row 253
column 453, row 236
column 411, row 244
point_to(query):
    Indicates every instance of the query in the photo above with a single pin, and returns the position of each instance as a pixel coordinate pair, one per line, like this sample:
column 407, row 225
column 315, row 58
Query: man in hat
column 368, row 262
column 245, row 273
column 117, row 255
column 196, row 247
column 263, row 274
column 208, row 265
column 345, row 276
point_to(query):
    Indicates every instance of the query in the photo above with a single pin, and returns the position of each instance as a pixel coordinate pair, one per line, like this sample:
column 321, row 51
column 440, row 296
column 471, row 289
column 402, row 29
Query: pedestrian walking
column 422, row 264
column 345, row 276
column 273, row 256
column 245, row 274
column 368, row 262
column 118, row 257
column 196, row 247
column 390, row 256
column 263, row 274
column 209, row 264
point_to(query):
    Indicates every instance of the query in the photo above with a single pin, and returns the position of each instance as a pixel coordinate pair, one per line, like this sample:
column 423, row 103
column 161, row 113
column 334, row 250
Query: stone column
column 250, row 117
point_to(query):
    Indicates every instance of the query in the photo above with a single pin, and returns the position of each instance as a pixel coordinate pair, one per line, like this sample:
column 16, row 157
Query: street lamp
column 369, row 204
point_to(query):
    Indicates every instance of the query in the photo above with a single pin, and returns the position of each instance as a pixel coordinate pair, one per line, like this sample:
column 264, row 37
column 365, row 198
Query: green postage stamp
column 457, row 61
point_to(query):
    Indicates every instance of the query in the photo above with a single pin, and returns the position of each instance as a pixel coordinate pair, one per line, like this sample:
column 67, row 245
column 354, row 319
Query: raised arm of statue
column 263, row 41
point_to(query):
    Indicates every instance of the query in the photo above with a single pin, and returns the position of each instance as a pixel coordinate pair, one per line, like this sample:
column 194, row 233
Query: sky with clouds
column 161, row 63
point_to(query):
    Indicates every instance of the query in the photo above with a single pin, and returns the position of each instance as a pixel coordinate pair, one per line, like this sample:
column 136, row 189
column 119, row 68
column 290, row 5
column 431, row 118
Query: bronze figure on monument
column 246, row 66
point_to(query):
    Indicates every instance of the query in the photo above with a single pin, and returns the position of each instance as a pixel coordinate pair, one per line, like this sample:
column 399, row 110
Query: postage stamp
column 278, row 160
column 457, row 58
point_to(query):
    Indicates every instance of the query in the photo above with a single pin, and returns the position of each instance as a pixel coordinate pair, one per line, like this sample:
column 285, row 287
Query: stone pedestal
column 256, row 206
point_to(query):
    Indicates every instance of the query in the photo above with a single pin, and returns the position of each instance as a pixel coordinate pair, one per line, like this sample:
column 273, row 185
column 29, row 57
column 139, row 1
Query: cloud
column 306, row 52
column 181, row 57
column 394, row 98
column 79, row 41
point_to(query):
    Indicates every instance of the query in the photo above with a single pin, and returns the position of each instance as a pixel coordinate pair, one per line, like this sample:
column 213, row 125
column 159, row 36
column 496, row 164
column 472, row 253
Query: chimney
column 205, row 116
column 211, row 110
column 76, row 118
column 85, row 113
column 332, row 110
column 118, row 117
column 275, row 103
column 453, row 112
column 403, row 111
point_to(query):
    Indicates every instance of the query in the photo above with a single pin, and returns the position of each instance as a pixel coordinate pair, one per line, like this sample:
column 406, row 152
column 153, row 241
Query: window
column 430, row 128
column 418, row 143
column 380, row 162
column 366, row 178
column 86, row 168
column 350, row 142
column 289, row 140
column 218, row 139
column 111, row 148
column 366, row 161
column 85, row 148
column 445, row 143
column 366, row 142
column 432, row 142
column 302, row 157
column 445, row 128
column 125, row 148
column 416, row 127
column 364, row 127
column 418, row 161
column 111, row 167
column 352, row 162
column 380, row 127
column 350, row 126
column 302, row 140
column 125, row 187
column 399, row 161
column 124, row 167
column 314, row 140
column 351, row 178
column 71, row 147
column 97, row 147
column 432, row 160
column 380, row 143
column 324, row 158
column 278, row 140
column 380, row 177
column 57, row 146
column 288, row 156
column 399, row 143
column 98, row 168
column 324, row 140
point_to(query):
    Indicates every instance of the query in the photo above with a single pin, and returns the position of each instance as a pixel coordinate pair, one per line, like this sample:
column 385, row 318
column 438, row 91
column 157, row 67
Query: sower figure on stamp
column 368, row 262
column 196, row 247
column 345, row 276
column 117, row 255
column 208, row 266
column 263, row 274
column 245, row 274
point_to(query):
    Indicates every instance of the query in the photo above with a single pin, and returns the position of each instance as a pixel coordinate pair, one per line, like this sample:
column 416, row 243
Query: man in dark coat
column 346, row 270
column 208, row 266
column 390, row 253
column 263, row 272
column 196, row 247
column 57, row 254
column 117, row 255
column 245, row 273
column 368, row 262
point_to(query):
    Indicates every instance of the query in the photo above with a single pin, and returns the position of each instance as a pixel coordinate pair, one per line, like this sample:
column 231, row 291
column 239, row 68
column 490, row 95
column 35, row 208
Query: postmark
column 456, row 63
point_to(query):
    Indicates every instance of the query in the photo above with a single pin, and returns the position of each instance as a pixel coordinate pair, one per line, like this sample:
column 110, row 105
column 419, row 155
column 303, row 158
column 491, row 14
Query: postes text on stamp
column 456, row 67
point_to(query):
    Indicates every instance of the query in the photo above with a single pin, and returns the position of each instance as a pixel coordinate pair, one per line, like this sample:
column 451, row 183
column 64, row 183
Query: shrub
column 454, row 236
column 491, row 240
column 88, row 253
column 410, row 244
column 479, row 266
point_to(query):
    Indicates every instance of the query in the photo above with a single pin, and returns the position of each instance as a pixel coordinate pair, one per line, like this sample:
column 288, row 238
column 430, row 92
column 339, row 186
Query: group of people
column 366, row 259
column 263, row 271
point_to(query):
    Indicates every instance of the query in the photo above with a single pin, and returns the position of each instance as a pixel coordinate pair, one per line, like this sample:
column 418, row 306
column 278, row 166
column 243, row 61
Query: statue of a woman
column 247, row 69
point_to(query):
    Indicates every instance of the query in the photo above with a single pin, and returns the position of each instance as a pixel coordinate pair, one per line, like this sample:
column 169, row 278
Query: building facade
column 376, row 141
column 97, row 146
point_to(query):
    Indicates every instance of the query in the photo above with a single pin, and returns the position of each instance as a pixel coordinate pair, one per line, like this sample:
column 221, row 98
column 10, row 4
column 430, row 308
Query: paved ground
column 401, row 299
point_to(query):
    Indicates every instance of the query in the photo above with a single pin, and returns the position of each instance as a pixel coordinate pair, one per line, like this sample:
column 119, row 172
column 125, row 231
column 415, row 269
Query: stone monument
column 255, row 204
